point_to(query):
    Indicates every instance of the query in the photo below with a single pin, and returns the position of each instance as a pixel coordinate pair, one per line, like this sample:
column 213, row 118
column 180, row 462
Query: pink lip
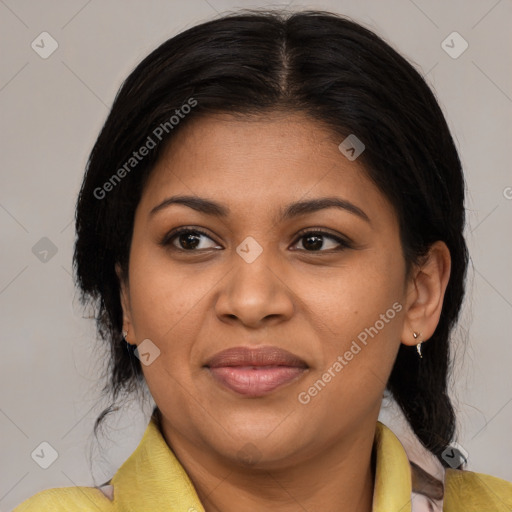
column 255, row 372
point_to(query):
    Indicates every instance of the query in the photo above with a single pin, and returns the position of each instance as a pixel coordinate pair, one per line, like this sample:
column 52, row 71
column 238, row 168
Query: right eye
column 187, row 240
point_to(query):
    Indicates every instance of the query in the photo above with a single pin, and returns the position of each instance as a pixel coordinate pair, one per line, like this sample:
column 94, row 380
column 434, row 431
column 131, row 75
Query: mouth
column 255, row 372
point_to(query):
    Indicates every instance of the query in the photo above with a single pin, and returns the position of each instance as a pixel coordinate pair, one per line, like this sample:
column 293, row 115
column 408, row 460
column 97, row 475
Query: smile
column 255, row 372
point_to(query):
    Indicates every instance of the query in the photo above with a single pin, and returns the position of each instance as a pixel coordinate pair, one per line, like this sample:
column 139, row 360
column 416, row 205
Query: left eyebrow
column 209, row 207
column 314, row 205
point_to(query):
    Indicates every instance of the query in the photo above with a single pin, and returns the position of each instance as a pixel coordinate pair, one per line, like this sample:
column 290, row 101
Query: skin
column 310, row 302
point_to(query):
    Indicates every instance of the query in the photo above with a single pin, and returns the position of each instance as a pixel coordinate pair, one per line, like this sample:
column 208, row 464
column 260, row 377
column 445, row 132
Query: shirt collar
column 153, row 474
column 393, row 485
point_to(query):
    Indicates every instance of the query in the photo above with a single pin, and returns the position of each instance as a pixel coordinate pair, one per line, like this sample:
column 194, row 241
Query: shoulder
column 79, row 499
column 466, row 491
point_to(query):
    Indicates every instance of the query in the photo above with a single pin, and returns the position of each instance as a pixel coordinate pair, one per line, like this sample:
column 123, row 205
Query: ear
column 425, row 294
column 125, row 301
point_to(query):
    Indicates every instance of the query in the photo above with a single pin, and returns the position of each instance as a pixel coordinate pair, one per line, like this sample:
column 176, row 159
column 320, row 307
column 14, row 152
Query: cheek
column 362, row 306
column 353, row 297
column 357, row 359
column 163, row 294
column 166, row 308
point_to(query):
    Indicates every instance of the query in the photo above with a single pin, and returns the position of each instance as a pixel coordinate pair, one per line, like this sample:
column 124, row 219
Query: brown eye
column 188, row 239
column 314, row 241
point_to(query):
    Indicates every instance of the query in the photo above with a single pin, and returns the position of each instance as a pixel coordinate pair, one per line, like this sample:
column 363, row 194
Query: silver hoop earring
column 416, row 335
column 125, row 333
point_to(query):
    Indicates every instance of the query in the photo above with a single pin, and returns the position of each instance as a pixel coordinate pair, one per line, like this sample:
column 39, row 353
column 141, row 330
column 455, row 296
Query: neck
column 340, row 477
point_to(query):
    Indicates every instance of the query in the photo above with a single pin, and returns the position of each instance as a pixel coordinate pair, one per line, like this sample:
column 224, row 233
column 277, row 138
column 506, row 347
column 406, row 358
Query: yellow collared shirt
column 153, row 480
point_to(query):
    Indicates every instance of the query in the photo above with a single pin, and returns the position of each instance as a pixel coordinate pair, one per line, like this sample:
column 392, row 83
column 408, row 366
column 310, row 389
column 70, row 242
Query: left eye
column 313, row 241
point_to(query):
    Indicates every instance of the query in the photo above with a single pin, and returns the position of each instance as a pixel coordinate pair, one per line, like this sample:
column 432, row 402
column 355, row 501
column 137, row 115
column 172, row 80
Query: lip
column 255, row 372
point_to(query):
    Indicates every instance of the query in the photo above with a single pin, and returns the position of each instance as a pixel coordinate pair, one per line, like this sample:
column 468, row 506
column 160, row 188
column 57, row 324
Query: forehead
column 254, row 161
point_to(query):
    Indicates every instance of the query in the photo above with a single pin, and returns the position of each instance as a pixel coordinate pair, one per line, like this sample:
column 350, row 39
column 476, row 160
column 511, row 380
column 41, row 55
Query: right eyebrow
column 199, row 204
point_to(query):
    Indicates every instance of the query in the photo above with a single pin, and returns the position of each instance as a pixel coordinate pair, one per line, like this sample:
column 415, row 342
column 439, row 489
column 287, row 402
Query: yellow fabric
column 152, row 479
column 476, row 492
column 393, row 486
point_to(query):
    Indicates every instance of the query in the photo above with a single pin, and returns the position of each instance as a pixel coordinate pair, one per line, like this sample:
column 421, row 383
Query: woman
column 271, row 227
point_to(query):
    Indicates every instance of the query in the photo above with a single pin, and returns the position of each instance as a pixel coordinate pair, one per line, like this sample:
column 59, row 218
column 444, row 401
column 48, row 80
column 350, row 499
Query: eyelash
column 343, row 243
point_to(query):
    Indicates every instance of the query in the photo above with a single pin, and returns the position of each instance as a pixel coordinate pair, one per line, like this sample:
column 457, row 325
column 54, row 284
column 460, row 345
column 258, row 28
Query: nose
column 255, row 294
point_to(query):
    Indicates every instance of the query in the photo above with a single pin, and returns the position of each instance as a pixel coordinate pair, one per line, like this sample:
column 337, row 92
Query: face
column 326, row 284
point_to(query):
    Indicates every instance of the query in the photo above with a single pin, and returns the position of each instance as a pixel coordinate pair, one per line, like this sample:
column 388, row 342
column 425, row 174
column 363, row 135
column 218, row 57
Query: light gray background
column 52, row 110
